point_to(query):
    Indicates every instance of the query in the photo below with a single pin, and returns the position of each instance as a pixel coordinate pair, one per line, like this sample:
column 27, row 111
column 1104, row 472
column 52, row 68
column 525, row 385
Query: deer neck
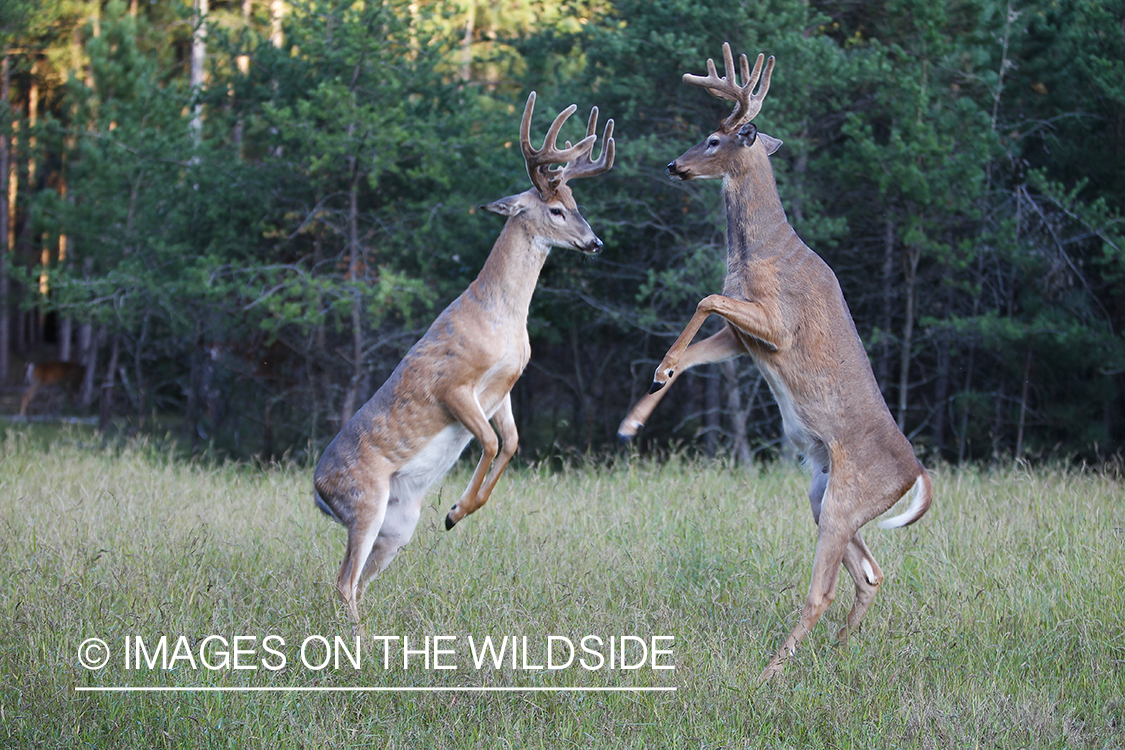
column 755, row 216
column 507, row 281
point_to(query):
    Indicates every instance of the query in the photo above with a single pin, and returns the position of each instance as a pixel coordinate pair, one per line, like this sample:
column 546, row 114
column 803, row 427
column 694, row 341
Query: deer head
column 729, row 149
column 548, row 209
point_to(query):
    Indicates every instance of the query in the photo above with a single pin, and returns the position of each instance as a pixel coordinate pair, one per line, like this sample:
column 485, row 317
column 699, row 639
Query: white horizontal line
column 361, row 689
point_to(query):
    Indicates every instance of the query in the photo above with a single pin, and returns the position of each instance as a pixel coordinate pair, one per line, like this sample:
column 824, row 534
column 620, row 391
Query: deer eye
column 713, row 142
column 556, row 211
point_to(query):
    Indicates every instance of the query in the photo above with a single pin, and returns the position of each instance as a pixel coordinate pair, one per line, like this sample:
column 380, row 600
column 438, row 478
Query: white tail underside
column 917, row 499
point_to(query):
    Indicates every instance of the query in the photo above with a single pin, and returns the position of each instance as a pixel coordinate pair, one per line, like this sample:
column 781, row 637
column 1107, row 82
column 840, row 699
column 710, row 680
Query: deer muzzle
column 675, row 172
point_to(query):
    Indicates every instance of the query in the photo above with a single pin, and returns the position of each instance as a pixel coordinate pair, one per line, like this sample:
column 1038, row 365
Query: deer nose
column 674, row 170
column 594, row 247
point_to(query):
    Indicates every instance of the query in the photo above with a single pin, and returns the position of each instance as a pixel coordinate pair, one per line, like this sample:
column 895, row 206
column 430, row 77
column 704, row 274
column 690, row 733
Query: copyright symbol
column 93, row 653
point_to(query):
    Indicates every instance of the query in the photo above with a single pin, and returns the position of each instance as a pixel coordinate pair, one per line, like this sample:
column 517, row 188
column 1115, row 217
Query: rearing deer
column 459, row 375
column 783, row 306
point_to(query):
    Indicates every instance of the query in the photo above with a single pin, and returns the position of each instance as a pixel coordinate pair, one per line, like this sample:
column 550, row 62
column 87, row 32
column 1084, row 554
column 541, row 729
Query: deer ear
column 510, row 206
column 747, row 134
column 772, row 144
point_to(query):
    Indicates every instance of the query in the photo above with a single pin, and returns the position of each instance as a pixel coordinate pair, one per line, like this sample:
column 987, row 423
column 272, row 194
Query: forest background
column 239, row 214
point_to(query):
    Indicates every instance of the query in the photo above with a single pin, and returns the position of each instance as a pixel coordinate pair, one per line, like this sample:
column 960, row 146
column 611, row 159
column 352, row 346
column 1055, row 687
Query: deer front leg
column 718, row 348
column 462, row 403
column 505, row 422
column 752, row 318
column 27, row 397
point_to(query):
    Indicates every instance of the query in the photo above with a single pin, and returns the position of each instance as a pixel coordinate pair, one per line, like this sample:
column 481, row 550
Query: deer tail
column 920, row 496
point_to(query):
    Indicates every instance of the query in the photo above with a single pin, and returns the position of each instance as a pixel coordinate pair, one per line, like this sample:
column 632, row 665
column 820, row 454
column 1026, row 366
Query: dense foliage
column 248, row 238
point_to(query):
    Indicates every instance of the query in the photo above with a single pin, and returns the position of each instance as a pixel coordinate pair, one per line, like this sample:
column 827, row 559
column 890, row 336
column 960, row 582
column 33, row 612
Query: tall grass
column 1001, row 622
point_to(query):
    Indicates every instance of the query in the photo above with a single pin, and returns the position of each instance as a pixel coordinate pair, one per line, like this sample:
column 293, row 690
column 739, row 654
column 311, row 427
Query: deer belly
column 431, row 463
column 791, row 422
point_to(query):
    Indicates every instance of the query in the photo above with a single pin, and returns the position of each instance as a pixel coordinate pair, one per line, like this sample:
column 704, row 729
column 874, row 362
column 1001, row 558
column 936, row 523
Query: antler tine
column 745, row 65
column 583, row 165
column 723, row 87
column 754, row 102
column 538, row 160
column 746, row 104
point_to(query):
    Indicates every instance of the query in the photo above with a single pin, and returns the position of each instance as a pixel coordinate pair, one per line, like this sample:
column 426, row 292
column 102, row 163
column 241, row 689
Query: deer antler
column 746, row 104
column 539, row 161
column 583, row 165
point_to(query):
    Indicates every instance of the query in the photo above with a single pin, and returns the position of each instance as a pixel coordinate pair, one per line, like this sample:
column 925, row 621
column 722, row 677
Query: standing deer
column 783, row 306
column 459, row 375
column 45, row 374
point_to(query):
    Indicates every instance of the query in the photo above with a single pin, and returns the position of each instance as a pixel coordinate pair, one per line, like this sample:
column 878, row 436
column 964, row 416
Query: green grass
column 1001, row 622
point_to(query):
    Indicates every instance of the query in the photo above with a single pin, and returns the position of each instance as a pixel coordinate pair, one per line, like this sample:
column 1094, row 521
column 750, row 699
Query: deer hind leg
column 396, row 531
column 363, row 530
column 718, row 348
column 858, row 560
column 833, row 537
column 868, row 576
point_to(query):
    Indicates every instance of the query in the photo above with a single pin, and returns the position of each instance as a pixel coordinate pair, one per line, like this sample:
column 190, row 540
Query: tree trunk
column 198, row 60
column 277, row 10
column 65, row 333
column 941, row 393
column 106, row 406
column 138, row 373
column 314, row 361
column 467, row 42
column 12, row 194
column 740, row 447
column 913, row 255
column 998, row 423
column 883, row 366
column 5, row 249
column 1023, row 402
column 267, row 430
column 712, row 411
column 357, row 302
column 190, row 426
column 963, row 438
column 242, row 62
column 38, row 317
column 584, row 419
column 66, row 324
column 89, row 345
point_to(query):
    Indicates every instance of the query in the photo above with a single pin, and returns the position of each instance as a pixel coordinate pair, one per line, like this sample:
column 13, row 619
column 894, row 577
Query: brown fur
column 45, row 374
column 456, row 378
column 784, row 307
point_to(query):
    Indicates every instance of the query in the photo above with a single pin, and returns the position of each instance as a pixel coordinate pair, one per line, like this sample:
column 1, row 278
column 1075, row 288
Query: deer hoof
column 449, row 522
column 656, row 386
column 774, row 668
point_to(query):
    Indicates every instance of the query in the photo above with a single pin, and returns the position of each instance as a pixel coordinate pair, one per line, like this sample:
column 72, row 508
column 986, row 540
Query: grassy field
column 1001, row 622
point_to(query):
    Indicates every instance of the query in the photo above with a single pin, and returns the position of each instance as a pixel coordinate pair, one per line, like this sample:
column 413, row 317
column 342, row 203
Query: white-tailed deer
column 783, row 306
column 46, row 374
column 459, row 375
